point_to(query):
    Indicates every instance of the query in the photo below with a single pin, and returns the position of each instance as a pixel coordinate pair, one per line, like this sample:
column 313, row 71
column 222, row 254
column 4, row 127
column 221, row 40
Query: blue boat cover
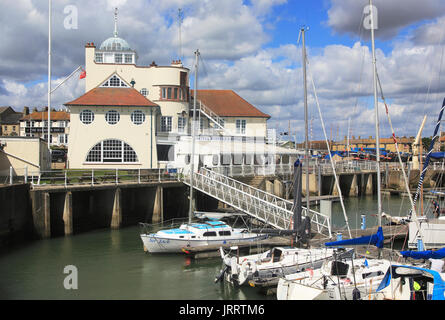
column 439, row 284
column 375, row 239
column 428, row 254
column 437, row 155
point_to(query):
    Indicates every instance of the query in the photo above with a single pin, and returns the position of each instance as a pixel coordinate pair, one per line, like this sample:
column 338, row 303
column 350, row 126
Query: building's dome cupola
column 115, row 49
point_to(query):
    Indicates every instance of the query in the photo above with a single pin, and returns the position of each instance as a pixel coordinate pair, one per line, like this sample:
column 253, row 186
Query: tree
column 426, row 142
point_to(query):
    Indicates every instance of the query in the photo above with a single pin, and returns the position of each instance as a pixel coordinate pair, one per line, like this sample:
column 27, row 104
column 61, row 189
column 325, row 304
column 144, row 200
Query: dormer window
column 114, row 81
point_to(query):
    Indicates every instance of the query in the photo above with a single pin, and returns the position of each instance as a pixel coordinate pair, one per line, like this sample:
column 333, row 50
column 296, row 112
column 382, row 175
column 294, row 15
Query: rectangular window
column 201, row 124
column 175, row 93
column 112, row 151
column 166, row 124
column 183, row 79
column 128, row 58
column 221, row 122
column 181, row 124
column 165, row 152
column 118, row 57
column 99, row 57
column 241, row 126
column 164, row 93
column 169, row 93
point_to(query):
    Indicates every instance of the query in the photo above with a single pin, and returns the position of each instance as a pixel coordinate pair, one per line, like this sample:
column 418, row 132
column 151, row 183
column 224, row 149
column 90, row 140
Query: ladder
column 266, row 207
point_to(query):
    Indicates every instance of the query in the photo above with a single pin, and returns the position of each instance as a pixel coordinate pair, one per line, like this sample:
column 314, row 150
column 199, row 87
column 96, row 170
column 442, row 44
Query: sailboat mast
column 192, row 158
column 49, row 74
column 376, row 110
column 306, row 140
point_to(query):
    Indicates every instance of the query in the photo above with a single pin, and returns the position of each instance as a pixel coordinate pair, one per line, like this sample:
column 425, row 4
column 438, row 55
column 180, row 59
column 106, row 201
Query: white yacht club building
column 135, row 116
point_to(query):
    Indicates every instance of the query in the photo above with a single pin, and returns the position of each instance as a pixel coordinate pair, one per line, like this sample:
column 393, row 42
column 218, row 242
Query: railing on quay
column 69, row 177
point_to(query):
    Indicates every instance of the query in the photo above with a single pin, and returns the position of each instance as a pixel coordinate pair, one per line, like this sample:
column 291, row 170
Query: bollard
column 363, row 225
column 10, row 174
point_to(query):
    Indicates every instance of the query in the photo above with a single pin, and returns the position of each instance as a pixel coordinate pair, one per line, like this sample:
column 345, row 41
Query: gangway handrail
column 279, row 211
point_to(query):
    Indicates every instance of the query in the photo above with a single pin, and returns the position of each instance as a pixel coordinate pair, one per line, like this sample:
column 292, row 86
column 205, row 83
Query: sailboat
column 349, row 274
column 199, row 234
column 431, row 229
column 265, row 269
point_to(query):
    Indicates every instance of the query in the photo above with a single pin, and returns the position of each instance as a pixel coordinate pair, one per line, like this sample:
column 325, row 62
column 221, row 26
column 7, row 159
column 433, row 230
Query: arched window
column 111, row 150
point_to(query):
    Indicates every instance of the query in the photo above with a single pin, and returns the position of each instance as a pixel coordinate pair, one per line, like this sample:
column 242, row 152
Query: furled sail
column 375, row 239
column 427, row 254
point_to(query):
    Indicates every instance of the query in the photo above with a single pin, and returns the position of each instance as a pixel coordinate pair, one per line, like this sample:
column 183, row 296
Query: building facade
column 25, row 155
column 9, row 121
column 161, row 96
column 35, row 124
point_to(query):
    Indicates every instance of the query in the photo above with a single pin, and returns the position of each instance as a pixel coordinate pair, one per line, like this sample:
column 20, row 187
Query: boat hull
column 154, row 244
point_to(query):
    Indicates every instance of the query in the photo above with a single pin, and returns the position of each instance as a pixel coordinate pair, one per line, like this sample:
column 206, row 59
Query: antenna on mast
column 115, row 22
column 180, row 19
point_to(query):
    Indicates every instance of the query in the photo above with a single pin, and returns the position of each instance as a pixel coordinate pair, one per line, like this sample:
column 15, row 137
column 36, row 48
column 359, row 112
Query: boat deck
column 391, row 233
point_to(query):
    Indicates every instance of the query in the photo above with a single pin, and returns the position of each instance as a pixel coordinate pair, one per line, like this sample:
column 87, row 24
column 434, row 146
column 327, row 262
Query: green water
column 111, row 264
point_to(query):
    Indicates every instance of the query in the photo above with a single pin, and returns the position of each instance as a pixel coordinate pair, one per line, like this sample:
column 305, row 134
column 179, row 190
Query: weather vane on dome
column 115, row 22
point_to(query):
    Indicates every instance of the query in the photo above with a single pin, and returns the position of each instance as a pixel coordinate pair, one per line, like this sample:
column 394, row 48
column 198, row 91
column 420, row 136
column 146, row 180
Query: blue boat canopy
column 375, row 239
column 437, row 155
column 428, row 254
column 396, row 271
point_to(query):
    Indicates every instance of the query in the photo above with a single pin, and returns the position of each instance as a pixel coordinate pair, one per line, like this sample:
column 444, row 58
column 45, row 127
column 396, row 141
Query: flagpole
column 49, row 74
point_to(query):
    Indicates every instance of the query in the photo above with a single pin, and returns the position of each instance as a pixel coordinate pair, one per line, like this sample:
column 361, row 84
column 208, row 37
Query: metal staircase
column 266, row 207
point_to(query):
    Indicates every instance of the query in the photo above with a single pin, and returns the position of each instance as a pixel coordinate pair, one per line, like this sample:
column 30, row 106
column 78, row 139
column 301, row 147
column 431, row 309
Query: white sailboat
column 266, row 269
column 300, row 286
column 190, row 235
column 432, row 229
column 338, row 279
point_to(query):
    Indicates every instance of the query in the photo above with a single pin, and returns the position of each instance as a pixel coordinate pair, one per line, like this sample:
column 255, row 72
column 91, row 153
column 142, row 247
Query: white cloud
column 231, row 37
column 346, row 16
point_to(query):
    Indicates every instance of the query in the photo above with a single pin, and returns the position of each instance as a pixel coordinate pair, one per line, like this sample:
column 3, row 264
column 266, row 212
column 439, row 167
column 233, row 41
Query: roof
column 115, row 44
column 101, row 96
column 12, row 118
column 43, row 115
column 4, row 108
column 226, row 103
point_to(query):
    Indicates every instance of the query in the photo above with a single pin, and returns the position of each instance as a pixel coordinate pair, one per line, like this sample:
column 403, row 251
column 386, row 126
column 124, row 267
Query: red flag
column 83, row 74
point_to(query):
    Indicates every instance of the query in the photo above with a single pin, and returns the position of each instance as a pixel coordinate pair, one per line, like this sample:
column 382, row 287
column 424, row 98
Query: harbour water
column 111, row 264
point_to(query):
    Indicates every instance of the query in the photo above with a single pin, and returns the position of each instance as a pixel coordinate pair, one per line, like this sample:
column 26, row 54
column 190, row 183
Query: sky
column 251, row 47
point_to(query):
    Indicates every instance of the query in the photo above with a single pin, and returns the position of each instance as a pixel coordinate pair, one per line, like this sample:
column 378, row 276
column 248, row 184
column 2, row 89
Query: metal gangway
column 266, row 207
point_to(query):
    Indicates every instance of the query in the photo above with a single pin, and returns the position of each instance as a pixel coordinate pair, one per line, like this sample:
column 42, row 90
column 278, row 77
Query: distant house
column 9, row 121
column 36, row 125
column 404, row 143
